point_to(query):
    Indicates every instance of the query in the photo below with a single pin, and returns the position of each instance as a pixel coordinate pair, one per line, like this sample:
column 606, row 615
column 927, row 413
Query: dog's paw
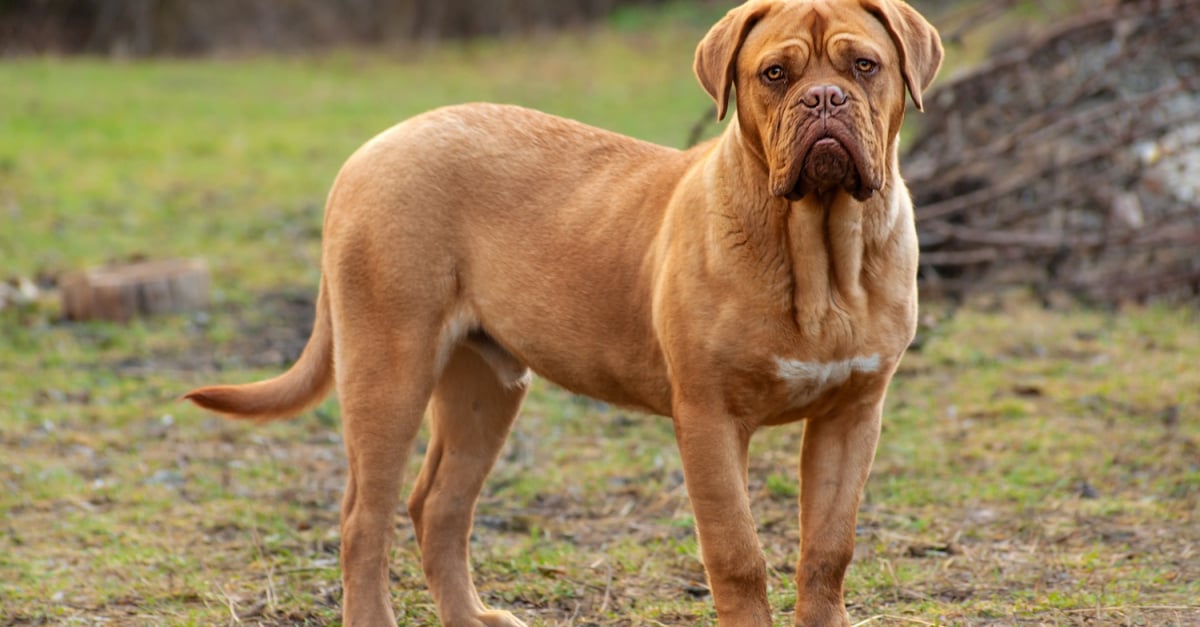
column 488, row 618
column 824, row 619
column 499, row 618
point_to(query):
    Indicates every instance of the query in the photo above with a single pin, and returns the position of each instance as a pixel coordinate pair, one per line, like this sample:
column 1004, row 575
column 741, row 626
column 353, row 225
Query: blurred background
column 163, row 169
column 155, row 27
column 1026, row 83
column 148, row 27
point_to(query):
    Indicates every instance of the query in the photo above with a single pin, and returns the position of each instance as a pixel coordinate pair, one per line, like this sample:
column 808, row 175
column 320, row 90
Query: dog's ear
column 917, row 40
column 716, row 56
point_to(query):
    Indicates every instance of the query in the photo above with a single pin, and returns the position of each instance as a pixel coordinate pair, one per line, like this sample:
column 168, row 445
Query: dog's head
column 820, row 86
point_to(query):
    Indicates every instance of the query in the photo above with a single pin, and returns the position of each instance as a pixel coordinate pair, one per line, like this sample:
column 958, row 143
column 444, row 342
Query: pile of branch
column 1070, row 163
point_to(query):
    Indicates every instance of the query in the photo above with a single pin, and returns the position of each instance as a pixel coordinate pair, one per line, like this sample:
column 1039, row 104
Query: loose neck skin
column 821, row 252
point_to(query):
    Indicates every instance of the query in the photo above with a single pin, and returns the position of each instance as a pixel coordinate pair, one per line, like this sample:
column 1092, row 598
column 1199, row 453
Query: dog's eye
column 774, row 73
column 865, row 66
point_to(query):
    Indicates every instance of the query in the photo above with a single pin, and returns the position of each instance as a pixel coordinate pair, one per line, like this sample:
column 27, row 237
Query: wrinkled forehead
column 817, row 27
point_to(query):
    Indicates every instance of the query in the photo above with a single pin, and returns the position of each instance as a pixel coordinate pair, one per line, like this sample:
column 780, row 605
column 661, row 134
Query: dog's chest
column 844, row 360
column 807, row 381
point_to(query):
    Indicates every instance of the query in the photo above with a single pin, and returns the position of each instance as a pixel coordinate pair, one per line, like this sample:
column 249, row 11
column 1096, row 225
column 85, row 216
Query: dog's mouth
column 830, row 160
column 827, row 165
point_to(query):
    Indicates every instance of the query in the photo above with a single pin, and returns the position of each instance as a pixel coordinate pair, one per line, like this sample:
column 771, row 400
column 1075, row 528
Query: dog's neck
column 825, row 250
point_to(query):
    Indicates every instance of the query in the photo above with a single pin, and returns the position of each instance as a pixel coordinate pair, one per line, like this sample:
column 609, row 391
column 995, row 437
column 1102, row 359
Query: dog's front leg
column 714, row 449
column 834, row 464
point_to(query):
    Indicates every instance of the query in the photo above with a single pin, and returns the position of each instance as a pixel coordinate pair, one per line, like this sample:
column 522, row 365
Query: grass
column 1037, row 466
column 104, row 160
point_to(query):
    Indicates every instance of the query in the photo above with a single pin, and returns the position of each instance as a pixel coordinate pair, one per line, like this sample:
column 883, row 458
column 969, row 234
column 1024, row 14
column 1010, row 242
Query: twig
column 607, row 589
column 972, row 17
column 1139, row 608
column 903, row 619
column 696, row 133
column 231, row 605
column 303, row 569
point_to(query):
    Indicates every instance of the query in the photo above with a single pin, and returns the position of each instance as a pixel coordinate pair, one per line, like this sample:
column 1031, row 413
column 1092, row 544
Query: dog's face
column 820, row 86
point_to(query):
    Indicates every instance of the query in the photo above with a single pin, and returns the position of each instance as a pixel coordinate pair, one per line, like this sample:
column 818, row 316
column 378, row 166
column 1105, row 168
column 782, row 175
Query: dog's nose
column 825, row 98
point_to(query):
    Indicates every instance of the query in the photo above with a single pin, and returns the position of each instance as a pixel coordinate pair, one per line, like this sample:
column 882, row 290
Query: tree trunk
column 120, row 293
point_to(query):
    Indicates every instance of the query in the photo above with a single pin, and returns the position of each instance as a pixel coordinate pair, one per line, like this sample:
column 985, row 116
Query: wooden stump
column 124, row 291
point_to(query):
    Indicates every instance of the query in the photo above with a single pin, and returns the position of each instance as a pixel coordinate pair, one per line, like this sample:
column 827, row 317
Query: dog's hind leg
column 385, row 378
column 474, row 405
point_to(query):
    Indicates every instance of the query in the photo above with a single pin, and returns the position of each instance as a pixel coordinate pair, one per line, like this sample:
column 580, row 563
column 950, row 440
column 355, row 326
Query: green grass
column 1036, row 467
column 106, row 160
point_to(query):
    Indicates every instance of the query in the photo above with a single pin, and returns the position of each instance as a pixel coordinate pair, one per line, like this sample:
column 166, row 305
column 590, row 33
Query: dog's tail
column 301, row 387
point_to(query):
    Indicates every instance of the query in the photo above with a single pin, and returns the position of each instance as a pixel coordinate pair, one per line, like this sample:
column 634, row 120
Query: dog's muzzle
column 825, row 153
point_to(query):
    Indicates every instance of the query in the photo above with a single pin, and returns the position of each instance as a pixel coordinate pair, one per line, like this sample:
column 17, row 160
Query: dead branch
column 1072, row 162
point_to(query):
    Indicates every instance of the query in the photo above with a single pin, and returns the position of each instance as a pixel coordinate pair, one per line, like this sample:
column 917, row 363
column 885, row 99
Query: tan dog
column 763, row 278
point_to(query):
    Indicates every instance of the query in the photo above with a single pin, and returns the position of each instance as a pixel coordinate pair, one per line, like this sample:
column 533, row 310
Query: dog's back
column 516, row 209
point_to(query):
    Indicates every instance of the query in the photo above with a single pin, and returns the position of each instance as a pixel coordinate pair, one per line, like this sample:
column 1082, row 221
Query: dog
column 763, row 278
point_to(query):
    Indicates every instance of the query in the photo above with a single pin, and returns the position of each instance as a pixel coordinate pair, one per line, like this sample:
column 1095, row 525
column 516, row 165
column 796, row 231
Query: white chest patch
column 809, row 379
